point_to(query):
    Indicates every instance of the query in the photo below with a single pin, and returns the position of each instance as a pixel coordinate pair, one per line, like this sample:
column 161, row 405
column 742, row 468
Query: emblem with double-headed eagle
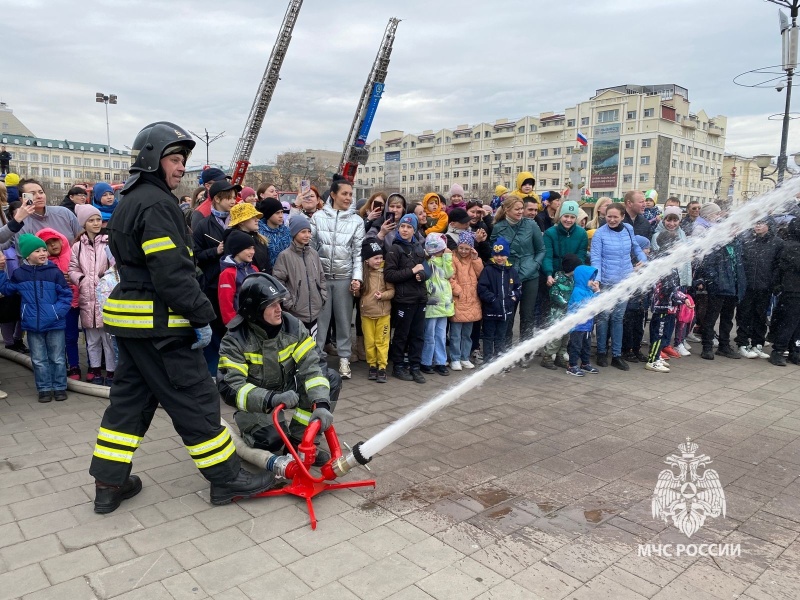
column 688, row 498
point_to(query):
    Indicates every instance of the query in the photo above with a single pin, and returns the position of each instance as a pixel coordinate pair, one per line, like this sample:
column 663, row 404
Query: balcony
column 687, row 122
column 714, row 130
column 503, row 134
column 462, row 140
column 421, row 145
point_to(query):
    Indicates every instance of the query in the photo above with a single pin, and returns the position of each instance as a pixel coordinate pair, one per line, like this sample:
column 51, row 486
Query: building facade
column 639, row 137
column 741, row 179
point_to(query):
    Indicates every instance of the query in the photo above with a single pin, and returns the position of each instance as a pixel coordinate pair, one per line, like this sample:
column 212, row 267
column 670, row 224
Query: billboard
column 391, row 171
column 605, row 156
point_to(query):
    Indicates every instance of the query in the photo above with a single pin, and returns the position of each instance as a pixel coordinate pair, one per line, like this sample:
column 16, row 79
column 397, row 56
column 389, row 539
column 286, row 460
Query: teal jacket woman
column 527, row 245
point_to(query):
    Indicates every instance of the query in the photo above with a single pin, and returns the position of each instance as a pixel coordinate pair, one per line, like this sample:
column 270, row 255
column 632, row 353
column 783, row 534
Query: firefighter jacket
column 253, row 367
column 158, row 294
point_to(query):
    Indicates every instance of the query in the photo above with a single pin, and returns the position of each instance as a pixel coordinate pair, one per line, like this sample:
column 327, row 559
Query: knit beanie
column 269, row 206
column 409, row 219
column 370, row 248
column 99, row 189
column 247, row 192
column 501, row 247
column 499, row 190
column 651, row 195
column 459, row 215
column 84, row 211
column 467, row 238
column 27, row 243
column 643, row 242
column 237, row 240
column 435, row 243
column 709, row 210
column 672, row 210
column 570, row 262
column 12, row 180
column 570, row 207
column 456, row 190
column 297, row 224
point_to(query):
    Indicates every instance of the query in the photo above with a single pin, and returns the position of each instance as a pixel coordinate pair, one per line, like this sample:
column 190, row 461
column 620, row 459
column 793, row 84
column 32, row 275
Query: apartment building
column 741, row 179
column 640, row 137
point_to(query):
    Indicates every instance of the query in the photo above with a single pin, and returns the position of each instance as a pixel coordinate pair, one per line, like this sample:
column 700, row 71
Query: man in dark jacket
column 787, row 315
column 160, row 317
column 760, row 251
column 634, row 214
column 5, row 161
column 76, row 195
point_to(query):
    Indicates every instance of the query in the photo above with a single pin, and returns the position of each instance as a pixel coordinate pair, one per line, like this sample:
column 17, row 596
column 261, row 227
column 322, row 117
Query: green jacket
column 560, row 292
column 440, row 294
column 527, row 247
column 558, row 242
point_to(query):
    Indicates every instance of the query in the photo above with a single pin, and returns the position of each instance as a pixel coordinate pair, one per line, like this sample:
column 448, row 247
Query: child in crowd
column 580, row 338
column 667, row 296
column 59, row 252
column 103, row 200
column 499, row 289
column 560, row 293
column 234, row 267
column 440, row 304
column 273, row 228
column 376, row 309
column 299, row 268
column 46, row 300
column 436, row 218
column 404, row 268
column 88, row 263
column 467, row 268
column 635, row 316
column 651, row 211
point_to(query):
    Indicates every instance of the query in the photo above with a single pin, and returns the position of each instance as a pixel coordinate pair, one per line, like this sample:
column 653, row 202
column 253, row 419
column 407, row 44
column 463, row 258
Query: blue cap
column 501, row 247
column 212, row 174
column 409, row 219
column 643, row 242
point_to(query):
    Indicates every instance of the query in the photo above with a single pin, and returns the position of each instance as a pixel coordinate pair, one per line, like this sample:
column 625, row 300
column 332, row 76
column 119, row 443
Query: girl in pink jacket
column 87, row 265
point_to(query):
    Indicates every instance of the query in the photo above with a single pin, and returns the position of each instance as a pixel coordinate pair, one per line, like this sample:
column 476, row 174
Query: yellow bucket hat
column 244, row 211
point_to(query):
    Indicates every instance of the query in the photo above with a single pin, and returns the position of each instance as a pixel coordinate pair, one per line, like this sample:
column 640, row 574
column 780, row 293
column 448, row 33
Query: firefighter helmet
column 259, row 290
column 151, row 142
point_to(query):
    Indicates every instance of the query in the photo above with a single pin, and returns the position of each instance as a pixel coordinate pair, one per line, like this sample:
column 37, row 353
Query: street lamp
column 110, row 99
column 763, row 161
column 207, row 140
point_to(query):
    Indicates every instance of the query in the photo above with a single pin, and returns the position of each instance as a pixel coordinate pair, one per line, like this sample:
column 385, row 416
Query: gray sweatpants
column 339, row 306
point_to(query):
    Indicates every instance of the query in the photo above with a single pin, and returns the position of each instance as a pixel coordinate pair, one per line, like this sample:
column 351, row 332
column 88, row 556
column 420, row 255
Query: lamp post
column 763, row 161
column 112, row 99
column 207, row 140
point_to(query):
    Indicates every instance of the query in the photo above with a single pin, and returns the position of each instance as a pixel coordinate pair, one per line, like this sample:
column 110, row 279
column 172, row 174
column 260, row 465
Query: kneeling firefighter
column 160, row 318
column 268, row 358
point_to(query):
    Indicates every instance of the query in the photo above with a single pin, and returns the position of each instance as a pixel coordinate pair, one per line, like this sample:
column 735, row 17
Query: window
column 34, row 157
column 631, row 115
column 520, row 155
column 672, row 180
column 465, row 173
column 555, row 182
column 583, row 164
column 649, row 112
column 629, row 161
column 56, row 160
column 695, row 152
column 456, row 161
column 405, row 144
column 508, row 155
column 87, row 162
column 476, row 159
column 78, row 174
column 570, row 122
column 674, row 146
column 485, row 172
column 437, row 176
column 405, row 167
column 412, row 178
column 446, row 162
column 487, row 134
column 608, row 116
column 56, row 172
column 485, row 186
column 644, row 177
column 531, row 153
column 556, row 166
column 438, row 140
column 486, row 158
column 569, row 150
column 702, row 153
column 556, row 151
column 475, row 172
column 507, row 170
column 584, row 120
column 683, row 148
column 497, row 157
column 521, row 129
column 438, row 163
column 674, row 164
column 647, row 143
column 477, row 135
column 543, row 152
column 373, row 168
column 413, row 145
column 630, row 144
column 67, row 172
column 645, row 160
column 45, row 172
column 543, row 183
column 519, row 170
column 34, row 171
column 474, row 186
column 627, row 179
column 542, row 168
column 106, row 164
column 447, row 139
column 446, row 174
column 531, row 168
column 532, row 128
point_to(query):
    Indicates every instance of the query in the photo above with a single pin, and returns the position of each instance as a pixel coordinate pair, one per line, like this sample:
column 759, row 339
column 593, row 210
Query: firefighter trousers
column 162, row 371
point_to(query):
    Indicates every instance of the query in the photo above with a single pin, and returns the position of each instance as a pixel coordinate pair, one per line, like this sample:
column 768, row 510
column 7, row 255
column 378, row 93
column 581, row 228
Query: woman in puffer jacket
column 613, row 245
column 88, row 263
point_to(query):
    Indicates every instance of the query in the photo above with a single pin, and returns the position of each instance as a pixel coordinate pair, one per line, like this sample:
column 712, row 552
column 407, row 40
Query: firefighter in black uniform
column 160, row 318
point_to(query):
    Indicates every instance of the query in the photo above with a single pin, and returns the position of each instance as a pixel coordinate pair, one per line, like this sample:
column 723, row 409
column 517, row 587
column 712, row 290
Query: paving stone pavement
column 537, row 485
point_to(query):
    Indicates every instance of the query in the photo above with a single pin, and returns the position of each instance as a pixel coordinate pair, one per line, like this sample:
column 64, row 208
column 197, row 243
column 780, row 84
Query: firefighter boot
column 107, row 497
column 244, row 485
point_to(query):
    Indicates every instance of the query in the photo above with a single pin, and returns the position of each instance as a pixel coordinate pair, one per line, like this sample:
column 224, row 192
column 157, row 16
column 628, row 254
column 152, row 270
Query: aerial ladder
column 241, row 159
column 355, row 151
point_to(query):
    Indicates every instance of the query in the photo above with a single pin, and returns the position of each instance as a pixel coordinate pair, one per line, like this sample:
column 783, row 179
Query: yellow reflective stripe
column 302, row 416
column 316, row 382
column 255, row 359
column 128, row 321
column 191, row 252
column 211, row 444
column 115, row 455
column 241, row 396
column 303, row 349
column 132, row 306
column 216, row 458
column 286, row 352
column 124, row 439
column 157, row 245
column 177, row 321
column 226, row 363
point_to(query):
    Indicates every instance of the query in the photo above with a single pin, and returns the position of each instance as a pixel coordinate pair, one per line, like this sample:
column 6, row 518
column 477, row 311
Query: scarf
column 512, row 222
column 222, row 217
column 618, row 228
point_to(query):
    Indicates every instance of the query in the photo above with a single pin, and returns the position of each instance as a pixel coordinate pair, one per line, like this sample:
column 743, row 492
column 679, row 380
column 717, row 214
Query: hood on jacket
column 394, row 197
column 521, row 177
column 583, row 274
column 62, row 260
column 432, row 196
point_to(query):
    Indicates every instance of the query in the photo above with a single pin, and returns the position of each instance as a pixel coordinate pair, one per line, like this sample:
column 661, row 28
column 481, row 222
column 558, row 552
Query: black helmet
column 258, row 291
column 151, row 142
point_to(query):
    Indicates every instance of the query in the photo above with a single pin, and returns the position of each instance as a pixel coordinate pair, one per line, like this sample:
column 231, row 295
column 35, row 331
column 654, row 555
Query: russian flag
column 582, row 139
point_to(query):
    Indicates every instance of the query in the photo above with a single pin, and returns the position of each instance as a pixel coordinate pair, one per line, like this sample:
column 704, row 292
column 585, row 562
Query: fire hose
column 73, row 385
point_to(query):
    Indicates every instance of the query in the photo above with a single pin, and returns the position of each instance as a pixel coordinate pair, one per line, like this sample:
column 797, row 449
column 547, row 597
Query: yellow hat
column 244, row 211
column 500, row 190
column 12, row 180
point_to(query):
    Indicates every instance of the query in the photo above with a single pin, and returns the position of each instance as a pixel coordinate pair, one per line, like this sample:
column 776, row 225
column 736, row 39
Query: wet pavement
column 536, row 485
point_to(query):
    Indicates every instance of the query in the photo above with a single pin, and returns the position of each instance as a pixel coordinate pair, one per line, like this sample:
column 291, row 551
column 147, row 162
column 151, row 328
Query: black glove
column 325, row 417
column 289, row 398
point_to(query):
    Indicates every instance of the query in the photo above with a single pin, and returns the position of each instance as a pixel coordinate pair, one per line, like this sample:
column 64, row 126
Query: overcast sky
column 199, row 63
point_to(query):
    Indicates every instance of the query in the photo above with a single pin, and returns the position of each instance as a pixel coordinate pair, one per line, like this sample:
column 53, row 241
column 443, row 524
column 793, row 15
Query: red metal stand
column 304, row 484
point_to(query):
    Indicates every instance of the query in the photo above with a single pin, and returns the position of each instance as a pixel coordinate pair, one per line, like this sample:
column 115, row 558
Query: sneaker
column 18, row 346
column 373, row 373
column 427, row 369
column 707, row 354
column 746, row 352
column 620, row 363
column 107, row 498
column 442, row 370
column 466, row 364
column 402, row 374
column 671, row 352
column 549, row 363
column 3, row 394
column 576, row 371
column 244, row 485
column 686, row 345
column 60, row 395
column 330, row 350
column 727, row 352
column 663, row 356
column 759, row 350
column 381, row 377
column 477, row 356
column 561, row 362
column 45, row 397
column 631, row 357
column 602, row 359
column 94, row 373
column 683, row 350
column 643, row 358
column 455, row 365
column 692, row 337
column 658, row 367
column 417, row 376
column 777, row 359
column 109, row 378
column 344, row 368
column 74, row 373
column 587, row 368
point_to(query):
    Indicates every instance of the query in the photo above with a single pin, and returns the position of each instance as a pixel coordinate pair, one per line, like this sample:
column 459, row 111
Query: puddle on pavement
column 490, row 496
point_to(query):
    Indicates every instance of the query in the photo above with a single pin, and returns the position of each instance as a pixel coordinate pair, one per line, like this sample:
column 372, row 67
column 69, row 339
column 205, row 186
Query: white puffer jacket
column 337, row 236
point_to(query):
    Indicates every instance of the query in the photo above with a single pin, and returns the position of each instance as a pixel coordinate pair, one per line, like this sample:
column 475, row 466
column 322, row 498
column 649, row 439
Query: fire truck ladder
column 241, row 159
column 355, row 151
